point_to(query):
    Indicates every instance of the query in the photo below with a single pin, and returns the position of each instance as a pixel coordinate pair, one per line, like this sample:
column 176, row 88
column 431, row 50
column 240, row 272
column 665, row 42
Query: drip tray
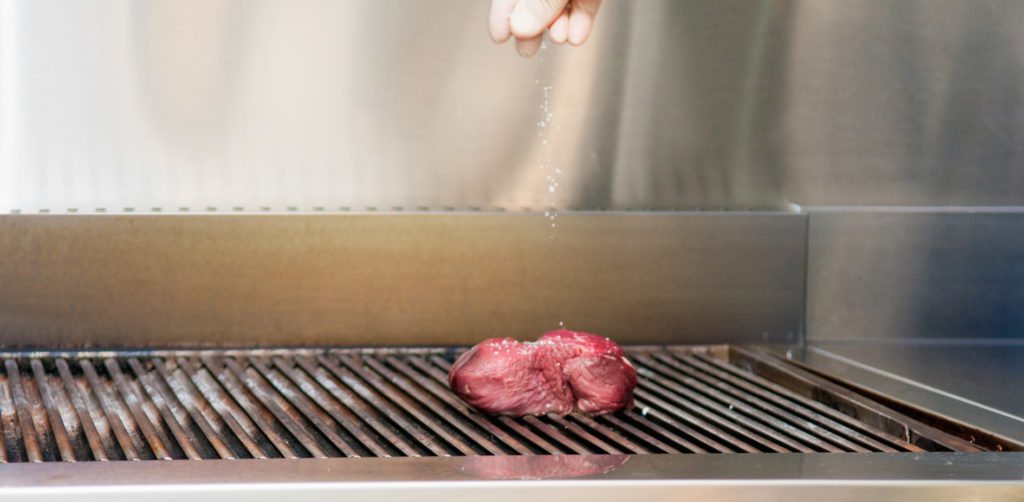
column 394, row 402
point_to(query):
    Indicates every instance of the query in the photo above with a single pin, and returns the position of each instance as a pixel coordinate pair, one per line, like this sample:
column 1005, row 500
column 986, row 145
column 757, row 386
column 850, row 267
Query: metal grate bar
column 442, row 394
column 163, row 405
column 825, row 427
column 568, row 445
column 87, row 422
column 392, row 392
column 331, row 409
column 391, row 402
column 439, row 373
column 113, row 419
column 814, row 410
column 777, row 428
column 12, row 431
column 437, row 406
column 21, row 405
column 587, row 436
column 868, row 412
column 656, row 445
column 58, row 429
column 155, row 443
column 200, row 420
column 809, row 432
column 662, row 410
column 372, row 417
column 272, row 401
column 611, row 435
column 40, row 418
column 392, row 412
column 241, row 427
column 765, row 438
column 303, row 404
column 259, row 415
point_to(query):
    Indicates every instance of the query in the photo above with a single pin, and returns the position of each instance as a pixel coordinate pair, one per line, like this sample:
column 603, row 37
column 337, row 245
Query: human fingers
column 558, row 32
column 531, row 17
column 498, row 21
column 581, row 20
column 528, row 46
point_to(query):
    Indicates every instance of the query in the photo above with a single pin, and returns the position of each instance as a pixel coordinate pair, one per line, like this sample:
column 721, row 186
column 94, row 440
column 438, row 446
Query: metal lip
column 793, row 210
column 778, row 469
column 914, row 209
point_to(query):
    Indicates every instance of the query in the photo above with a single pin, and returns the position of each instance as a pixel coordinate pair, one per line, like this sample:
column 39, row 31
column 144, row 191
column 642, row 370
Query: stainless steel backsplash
column 365, row 103
column 897, row 125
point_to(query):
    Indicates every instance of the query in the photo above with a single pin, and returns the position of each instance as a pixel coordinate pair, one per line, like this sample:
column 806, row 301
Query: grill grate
column 393, row 402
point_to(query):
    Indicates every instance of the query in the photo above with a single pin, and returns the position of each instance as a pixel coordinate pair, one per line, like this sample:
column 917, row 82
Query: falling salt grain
column 644, row 411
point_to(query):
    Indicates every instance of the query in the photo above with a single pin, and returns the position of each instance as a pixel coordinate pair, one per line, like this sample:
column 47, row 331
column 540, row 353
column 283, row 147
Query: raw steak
column 562, row 371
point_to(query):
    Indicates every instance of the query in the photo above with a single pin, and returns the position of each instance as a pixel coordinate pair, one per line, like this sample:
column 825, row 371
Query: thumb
column 531, row 17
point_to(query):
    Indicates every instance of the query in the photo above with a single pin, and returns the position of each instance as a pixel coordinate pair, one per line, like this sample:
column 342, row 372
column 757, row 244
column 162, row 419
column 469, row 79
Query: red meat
column 562, row 371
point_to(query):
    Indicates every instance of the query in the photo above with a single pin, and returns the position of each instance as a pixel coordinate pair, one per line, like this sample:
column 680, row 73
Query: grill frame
column 393, row 402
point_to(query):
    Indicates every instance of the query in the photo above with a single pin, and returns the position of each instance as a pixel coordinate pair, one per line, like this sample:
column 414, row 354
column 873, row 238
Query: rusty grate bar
column 395, row 402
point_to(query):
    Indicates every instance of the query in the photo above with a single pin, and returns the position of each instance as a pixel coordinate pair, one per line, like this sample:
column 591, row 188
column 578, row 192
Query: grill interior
column 80, row 406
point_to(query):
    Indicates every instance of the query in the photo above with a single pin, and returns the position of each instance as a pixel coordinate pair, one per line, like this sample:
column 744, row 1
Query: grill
column 394, row 402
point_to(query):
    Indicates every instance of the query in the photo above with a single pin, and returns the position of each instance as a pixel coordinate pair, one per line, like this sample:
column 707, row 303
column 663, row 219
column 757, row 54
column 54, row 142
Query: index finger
column 498, row 21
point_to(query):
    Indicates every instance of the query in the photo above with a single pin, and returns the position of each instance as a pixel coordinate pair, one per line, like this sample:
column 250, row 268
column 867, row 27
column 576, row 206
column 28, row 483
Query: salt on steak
column 562, row 371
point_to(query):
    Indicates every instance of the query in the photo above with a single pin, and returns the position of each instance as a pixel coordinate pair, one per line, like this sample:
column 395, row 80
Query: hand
column 526, row 20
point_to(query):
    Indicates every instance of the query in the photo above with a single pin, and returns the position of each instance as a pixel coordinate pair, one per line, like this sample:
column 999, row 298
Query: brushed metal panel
column 375, row 279
column 910, row 274
column 915, row 102
column 368, row 103
column 732, row 104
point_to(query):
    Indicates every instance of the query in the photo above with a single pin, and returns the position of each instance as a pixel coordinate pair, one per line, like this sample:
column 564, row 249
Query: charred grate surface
column 80, row 406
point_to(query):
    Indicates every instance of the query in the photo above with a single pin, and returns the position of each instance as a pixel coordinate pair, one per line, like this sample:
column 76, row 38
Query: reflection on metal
column 398, row 279
column 882, row 273
column 314, row 103
column 540, row 467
